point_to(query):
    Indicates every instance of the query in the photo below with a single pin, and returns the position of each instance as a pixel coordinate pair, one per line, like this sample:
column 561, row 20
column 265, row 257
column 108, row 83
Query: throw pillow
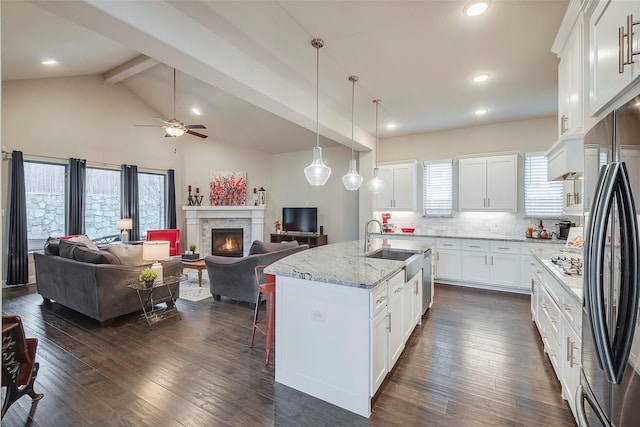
column 258, row 247
column 51, row 246
column 66, row 248
column 84, row 239
column 83, row 254
column 128, row 255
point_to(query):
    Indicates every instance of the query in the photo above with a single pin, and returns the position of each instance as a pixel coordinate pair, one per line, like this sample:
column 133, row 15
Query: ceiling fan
column 173, row 127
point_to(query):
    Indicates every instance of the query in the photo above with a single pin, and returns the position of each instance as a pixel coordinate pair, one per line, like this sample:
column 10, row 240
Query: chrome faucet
column 367, row 241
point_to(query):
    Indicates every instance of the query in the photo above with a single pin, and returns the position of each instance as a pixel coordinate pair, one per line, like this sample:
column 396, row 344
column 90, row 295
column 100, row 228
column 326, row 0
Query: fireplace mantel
column 199, row 218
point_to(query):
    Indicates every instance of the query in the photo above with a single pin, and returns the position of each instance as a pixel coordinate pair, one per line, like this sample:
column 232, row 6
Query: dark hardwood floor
column 476, row 360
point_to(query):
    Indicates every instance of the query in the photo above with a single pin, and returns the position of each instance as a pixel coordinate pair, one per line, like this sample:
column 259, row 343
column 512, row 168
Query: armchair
column 172, row 235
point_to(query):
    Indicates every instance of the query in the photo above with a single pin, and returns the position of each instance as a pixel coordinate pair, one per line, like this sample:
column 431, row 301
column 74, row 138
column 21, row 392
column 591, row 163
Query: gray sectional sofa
column 93, row 282
column 235, row 277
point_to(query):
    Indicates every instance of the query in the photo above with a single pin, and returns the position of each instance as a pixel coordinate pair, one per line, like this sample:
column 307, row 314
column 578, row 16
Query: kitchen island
column 342, row 319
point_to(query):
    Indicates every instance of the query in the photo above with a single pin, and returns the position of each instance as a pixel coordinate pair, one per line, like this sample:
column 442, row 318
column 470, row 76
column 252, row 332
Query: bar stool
column 268, row 289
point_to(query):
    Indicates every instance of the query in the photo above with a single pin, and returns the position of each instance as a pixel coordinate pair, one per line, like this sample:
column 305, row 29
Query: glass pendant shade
column 375, row 184
column 317, row 173
column 352, row 180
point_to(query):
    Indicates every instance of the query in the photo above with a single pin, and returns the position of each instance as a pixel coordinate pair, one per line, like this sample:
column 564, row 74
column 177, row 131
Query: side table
column 150, row 312
column 196, row 264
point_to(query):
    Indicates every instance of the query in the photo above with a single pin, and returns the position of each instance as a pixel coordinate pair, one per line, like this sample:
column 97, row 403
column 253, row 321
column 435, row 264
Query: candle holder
column 190, row 200
column 195, row 199
column 198, row 199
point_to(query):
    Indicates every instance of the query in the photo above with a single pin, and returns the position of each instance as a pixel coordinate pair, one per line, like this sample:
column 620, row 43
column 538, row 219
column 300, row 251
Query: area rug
column 190, row 290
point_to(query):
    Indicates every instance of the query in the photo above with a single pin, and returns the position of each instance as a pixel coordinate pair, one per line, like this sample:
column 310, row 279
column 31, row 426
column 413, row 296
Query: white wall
column 337, row 207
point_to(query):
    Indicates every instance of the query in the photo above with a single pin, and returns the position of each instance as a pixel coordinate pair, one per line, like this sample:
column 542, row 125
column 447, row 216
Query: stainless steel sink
column 414, row 260
column 393, row 254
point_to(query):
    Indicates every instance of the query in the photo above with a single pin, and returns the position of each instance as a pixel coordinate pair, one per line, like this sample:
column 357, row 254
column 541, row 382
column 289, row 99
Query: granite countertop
column 488, row 236
column 345, row 263
column 572, row 284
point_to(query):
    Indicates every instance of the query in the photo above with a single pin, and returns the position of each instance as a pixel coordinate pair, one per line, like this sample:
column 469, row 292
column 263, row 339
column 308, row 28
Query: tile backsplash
column 501, row 223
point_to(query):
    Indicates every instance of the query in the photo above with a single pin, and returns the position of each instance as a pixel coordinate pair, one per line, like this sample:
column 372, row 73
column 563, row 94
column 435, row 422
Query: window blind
column 542, row 198
column 437, row 188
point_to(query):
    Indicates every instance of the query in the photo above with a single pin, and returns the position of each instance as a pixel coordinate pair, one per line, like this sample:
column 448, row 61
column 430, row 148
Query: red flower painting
column 228, row 188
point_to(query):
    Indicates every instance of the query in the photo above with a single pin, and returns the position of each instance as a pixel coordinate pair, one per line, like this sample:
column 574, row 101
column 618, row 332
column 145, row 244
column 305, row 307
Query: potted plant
column 148, row 276
column 192, row 248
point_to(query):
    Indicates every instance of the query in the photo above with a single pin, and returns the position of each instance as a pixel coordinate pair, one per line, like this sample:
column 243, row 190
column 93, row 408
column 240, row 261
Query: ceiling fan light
column 352, row 180
column 317, row 173
column 175, row 132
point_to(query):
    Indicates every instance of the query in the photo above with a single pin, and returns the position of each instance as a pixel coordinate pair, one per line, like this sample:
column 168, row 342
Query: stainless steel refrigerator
column 609, row 390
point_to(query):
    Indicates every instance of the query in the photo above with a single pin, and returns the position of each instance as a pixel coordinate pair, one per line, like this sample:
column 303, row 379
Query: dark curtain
column 171, row 221
column 17, row 251
column 76, row 196
column 129, row 207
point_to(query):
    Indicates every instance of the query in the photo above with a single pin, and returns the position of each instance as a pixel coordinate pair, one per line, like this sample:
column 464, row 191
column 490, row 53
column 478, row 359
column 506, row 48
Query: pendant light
column 352, row 180
column 317, row 173
column 376, row 184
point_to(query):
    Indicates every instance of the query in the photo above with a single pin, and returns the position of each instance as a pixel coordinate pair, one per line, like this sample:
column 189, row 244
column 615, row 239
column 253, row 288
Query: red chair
column 19, row 368
column 267, row 287
column 171, row 235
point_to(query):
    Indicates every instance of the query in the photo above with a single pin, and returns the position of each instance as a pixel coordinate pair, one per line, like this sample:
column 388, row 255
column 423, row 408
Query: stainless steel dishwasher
column 427, row 295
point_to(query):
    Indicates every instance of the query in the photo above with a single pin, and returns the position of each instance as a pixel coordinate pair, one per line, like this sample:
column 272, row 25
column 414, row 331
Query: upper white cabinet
column 489, row 183
column 611, row 48
column 400, row 190
column 571, row 83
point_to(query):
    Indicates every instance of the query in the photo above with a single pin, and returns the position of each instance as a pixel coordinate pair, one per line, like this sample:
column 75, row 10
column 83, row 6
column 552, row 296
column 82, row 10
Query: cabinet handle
column 474, row 246
column 566, row 307
column 625, row 56
column 398, row 289
column 488, row 202
column 416, row 282
column 379, row 300
column 447, row 244
column 491, row 259
column 484, row 203
column 568, row 202
column 504, row 249
column 389, row 315
column 563, row 124
column 485, row 259
column 568, row 348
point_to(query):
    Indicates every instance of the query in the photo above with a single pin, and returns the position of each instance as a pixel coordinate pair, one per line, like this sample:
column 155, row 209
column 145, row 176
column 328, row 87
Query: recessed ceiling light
column 480, row 112
column 476, row 7
column 391, row 125
column 196, row 111
column 49, row 62
column 481, row 77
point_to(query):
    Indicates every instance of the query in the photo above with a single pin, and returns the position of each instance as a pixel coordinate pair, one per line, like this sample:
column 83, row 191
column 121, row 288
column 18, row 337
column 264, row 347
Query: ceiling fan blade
column 160, row 119
column 196, row 134
column 195, row 126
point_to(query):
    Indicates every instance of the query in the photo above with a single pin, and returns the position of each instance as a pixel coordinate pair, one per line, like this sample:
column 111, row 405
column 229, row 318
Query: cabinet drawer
column 572, row 312
column 448, row 244
column 378, row 300
column 475, row 245
column 552, row 313
column 505, row 247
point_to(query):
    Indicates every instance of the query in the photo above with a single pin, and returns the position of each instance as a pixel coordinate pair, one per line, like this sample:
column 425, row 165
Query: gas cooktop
column 567, row 266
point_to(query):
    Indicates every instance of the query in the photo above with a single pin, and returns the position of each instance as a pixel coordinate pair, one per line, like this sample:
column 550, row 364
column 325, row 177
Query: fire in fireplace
column 227, row 242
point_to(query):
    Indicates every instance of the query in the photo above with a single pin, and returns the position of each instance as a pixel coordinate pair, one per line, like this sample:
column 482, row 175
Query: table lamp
column 155, row 250
column 124, row 224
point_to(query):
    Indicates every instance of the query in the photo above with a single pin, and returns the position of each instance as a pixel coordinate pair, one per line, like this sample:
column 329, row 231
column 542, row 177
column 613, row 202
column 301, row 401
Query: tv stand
column 310, row 239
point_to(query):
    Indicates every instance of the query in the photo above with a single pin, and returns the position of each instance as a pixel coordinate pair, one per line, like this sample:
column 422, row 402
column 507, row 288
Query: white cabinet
column 607, row 81
column 408, row 318
column 416, row 288
column 400, row 190
column 494, row 263
column 571, row 92
column 488, row 183
column 447, row 259
column 396, row 335
column 379, row 341
column 571, row 356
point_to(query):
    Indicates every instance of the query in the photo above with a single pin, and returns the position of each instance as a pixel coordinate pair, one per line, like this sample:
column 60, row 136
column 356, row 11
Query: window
column 45, row 200
column 151, row 195
column 437, row 188
column 542, row 198
column 102, row 205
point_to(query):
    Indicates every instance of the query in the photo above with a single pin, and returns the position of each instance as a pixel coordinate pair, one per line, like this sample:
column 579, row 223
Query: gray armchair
column 235, row 277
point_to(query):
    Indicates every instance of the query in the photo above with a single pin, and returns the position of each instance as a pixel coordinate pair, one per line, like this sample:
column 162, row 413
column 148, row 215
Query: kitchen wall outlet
column 317, row 315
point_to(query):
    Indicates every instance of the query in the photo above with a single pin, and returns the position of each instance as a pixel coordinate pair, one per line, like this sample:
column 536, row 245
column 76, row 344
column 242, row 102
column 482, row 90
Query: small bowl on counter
column 407, row 229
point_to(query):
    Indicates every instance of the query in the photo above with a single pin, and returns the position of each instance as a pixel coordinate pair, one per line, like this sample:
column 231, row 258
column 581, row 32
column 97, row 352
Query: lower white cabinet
column 558, row 316
column 396, row 335
column 447, row 259
column 494, row 263
column 379, row 349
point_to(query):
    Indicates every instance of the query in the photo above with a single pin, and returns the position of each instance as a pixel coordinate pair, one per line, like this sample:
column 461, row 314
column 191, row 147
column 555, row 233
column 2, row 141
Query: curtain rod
column 7, row 156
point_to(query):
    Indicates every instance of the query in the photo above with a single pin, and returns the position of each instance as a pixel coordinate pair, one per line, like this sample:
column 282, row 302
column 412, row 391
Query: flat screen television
column 300, row 220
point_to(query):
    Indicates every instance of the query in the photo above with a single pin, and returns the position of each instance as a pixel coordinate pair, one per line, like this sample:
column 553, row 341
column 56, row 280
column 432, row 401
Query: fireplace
column 227, row 242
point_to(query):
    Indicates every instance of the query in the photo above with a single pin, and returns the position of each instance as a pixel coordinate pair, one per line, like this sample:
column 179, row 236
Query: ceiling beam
column 130, row 68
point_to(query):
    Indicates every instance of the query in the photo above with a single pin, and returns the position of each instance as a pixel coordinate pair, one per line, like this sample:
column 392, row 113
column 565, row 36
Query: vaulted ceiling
column 251, row 70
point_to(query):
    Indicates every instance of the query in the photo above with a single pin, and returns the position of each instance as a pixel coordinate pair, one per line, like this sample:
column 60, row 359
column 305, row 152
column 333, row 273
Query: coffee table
column 195, row 264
